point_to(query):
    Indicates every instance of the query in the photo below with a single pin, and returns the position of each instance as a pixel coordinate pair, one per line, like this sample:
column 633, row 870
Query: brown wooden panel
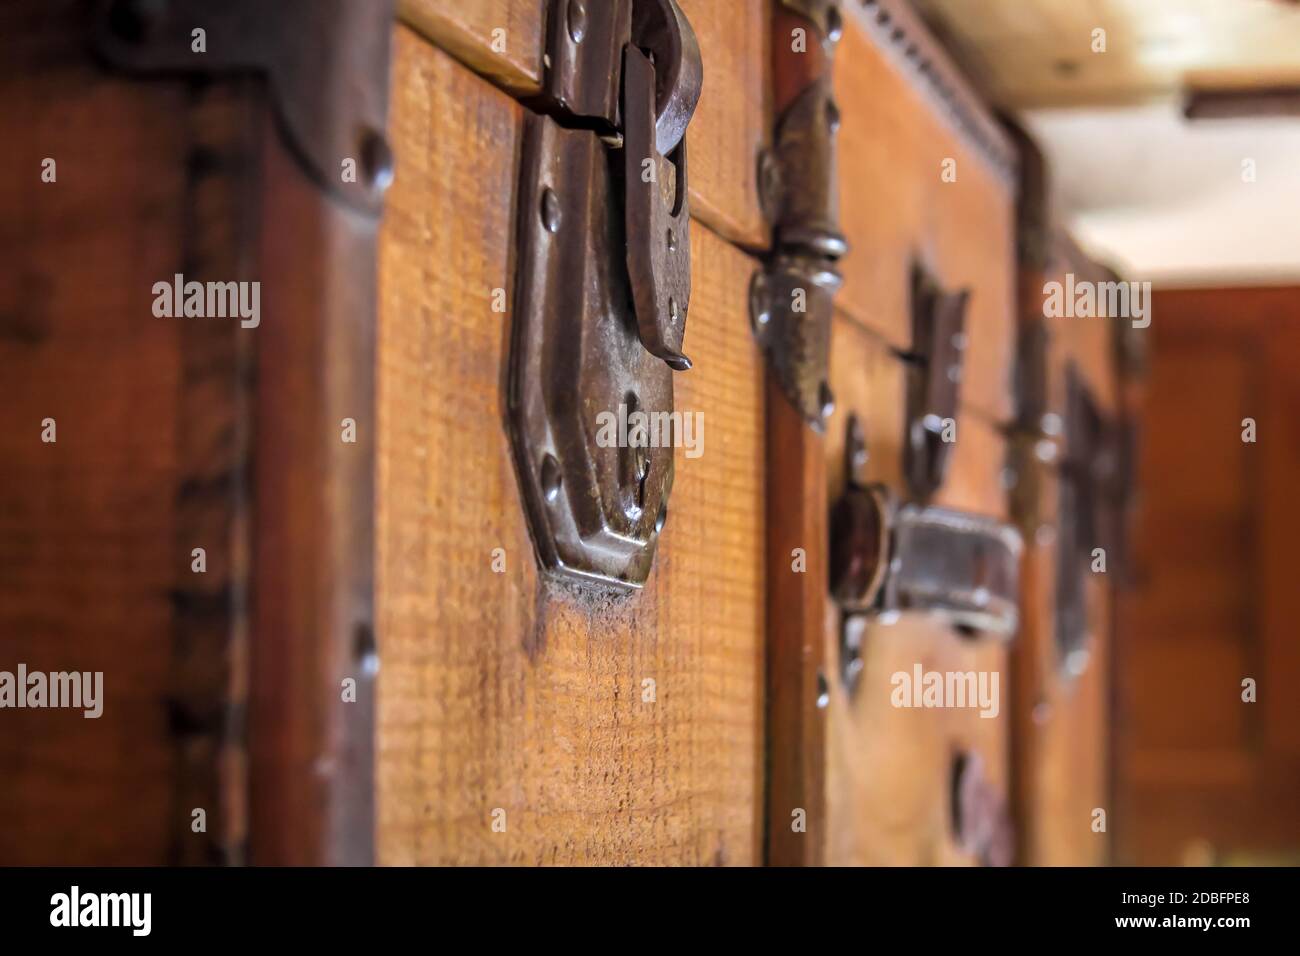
column 896, row 211
column 311, row 750
column 889, row 769
column 97, row 528
column 1087, row 343
column 1061, row 720
column 503, row 690
column 796, row 660
column 731, row 123
column 1200, row 769
column 500, row 39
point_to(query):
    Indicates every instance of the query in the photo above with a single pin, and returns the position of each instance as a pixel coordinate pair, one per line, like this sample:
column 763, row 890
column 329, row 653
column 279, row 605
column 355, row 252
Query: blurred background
column 1172, row 132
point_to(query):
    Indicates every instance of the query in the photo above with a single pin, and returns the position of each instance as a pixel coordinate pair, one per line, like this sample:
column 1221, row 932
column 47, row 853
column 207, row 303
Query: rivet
column 674, row 314
column 760, row 308
column 823, row 692
column 550, row 210
column 834, row 24
column 377, row 161
column 364, row 649
column 577, row 20
column 551, row 478
column 134, row 20
column 672, row 241
column 832, row 115
column 857, row 442
column 826, row 399
column 769, row 184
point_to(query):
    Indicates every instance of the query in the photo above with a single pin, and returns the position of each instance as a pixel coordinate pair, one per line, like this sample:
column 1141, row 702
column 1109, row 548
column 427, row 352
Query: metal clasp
column 888, row 558
column 933, row 381
column 603, row 284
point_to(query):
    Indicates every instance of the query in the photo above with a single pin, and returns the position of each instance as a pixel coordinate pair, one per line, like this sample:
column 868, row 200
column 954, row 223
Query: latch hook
column 660, row 93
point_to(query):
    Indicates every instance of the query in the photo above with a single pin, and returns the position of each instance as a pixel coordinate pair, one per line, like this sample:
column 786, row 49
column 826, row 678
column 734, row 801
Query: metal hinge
column 792, row 295
column 603, row 285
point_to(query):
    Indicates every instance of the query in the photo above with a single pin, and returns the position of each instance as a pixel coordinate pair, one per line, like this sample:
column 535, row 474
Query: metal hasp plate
column 325, row 61
column 934, row 373
column 603, row 286
column 1093, row 486
column 792, row 296
column 886, row 559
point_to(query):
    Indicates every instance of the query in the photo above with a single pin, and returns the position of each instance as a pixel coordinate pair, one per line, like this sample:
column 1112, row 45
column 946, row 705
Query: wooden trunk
column 373, row 665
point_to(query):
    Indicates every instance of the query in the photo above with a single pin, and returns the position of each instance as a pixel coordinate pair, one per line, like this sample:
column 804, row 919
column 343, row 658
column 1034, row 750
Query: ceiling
column 1174, row 202
column 1157, row 196
column 1037, row 53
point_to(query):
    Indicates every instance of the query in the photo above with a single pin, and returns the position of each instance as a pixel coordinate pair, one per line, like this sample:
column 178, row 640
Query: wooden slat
column 798, row 827
column 311, row 749
column 1061, row 723
column 503, row 690
column 500, row 39
column 731, row 123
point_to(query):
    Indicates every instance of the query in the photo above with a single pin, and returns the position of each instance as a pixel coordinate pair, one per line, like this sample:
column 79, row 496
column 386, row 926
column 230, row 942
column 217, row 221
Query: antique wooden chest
column 440, row 469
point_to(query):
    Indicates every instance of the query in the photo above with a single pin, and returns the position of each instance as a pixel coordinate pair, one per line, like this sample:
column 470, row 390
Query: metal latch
column 603, row 285
column 887, row 559
column 1090, row 456
column 934, row 370
column 1093, row 486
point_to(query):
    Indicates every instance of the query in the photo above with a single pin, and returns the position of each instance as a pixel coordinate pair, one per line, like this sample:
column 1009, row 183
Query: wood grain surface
column 731, row 124
column 501, row 39
column 1204, row 776
column 97, row 528
column 505, row 691
column 1062, row 722
column 889, row 769
column 896, row 210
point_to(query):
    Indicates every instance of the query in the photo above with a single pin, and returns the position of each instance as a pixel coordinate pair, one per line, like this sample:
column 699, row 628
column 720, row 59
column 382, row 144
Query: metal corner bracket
column 326, row 63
